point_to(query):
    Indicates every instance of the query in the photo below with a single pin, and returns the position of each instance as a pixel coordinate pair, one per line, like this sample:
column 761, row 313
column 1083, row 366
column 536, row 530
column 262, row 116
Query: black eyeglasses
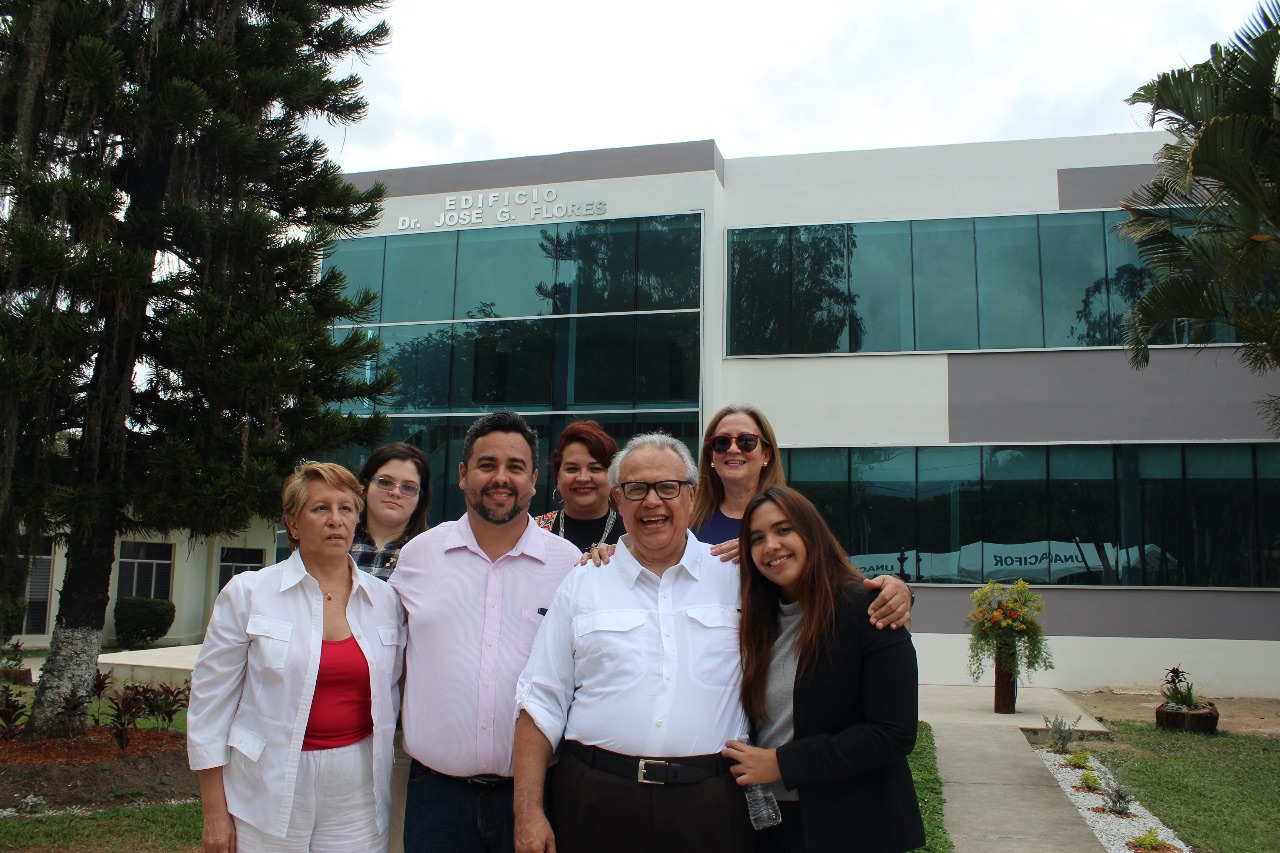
column 387, row 485
column 746, row 441
column 636, row 490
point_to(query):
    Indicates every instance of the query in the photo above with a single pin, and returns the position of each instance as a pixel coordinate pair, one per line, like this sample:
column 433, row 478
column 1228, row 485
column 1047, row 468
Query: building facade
column 935, row 334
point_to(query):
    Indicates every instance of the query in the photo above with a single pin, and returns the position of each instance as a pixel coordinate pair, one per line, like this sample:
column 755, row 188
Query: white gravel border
column 1112, row 830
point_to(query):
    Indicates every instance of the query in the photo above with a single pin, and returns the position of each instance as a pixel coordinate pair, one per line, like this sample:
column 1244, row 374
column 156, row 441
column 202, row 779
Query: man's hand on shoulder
column 892, row 607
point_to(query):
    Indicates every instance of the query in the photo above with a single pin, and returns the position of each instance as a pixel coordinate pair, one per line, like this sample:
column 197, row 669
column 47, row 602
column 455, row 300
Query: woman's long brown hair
column 826, row 571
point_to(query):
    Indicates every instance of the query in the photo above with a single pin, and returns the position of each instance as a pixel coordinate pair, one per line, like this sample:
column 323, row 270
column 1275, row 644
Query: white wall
column 1217, row 667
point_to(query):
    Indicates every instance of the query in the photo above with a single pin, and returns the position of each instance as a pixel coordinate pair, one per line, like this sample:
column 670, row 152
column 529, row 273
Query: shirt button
column 484, row 725
column 486, row 684
column 666, row 633
column 666, row 595
column 667, row 676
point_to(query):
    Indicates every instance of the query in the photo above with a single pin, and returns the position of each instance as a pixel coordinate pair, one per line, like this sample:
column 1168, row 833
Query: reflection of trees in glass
column 423, row 367
column 669, row 262
column 1101, row 318
column 789, row 291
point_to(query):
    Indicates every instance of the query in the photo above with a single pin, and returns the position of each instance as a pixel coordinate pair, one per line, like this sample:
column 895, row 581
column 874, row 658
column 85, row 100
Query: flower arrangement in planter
column 11, row 668
column 1181, row 710
column 1004, row 628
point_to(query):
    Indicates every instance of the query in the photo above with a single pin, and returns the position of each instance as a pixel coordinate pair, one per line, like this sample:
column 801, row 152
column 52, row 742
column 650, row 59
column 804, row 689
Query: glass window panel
column 880, row 278
column 950, row 513
column 882, row 514
column 418, row 281
column 1152, row 515
column 1015, row 515
column 506, row 272
column 1221, row 513
column 822, row 474
column 667, row 353
column 1127, row 281
column 1073, row 268
column 684, row 426
column 603, row 353
column 502, row 364
column 759, row 282
column 945, row 291
column 420, row 357
column 1268, row 466
column 1082, row 516
column 670, row 262
column 360, row 261
column 820, row 301
column 1009, row 305
column 601, row 265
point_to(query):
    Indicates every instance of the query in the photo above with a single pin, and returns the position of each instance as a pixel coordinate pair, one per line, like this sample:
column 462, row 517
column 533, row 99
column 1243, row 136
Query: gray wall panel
column 1100, row 186
column 1185, row 394
column 1092, row 611
column 670, row 159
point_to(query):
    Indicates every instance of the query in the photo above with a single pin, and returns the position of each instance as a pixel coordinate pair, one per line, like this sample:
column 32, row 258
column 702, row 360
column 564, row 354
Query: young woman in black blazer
column 832, row 701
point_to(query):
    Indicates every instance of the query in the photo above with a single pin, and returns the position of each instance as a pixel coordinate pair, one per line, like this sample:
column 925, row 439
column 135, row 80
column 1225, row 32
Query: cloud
column 513, row 79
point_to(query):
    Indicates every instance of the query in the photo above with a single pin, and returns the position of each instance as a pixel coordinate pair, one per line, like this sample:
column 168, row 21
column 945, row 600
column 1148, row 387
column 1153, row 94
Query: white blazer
column 252, row 686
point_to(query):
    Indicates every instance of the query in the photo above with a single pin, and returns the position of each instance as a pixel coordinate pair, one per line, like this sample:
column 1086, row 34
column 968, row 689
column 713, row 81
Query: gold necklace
column 328, row 596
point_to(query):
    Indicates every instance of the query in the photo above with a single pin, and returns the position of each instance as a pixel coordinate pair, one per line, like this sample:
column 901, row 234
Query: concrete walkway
column 999, row 796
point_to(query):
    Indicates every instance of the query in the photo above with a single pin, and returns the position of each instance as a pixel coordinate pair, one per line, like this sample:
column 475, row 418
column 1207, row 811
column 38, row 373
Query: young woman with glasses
column 397, row 492
column 832, row 701
column 580, row 472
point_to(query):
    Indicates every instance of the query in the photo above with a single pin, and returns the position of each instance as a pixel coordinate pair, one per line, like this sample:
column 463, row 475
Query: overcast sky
column 476, row 81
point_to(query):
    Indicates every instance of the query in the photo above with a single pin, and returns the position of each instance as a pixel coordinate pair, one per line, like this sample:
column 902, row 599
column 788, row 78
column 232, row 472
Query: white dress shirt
column 471, row 624
column 640, row 664
column 253, row 683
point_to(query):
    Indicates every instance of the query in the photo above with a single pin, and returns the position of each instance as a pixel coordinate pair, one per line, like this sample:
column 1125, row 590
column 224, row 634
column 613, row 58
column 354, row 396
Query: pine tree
column 166, row 333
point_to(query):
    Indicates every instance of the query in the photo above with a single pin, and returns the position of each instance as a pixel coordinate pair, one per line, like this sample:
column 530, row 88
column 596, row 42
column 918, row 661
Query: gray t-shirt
column 778, row 725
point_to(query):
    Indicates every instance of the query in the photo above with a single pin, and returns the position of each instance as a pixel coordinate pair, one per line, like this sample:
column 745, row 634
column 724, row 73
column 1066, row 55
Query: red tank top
column 342, row 709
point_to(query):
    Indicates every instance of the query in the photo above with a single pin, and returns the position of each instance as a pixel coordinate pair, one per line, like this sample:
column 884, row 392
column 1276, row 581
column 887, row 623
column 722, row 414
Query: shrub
column 1177, row 690
column 142, row 621
column 1061, row 733
column 1120, row 799
column 1148, row 840
column 1090, row 781
column 1079, row 760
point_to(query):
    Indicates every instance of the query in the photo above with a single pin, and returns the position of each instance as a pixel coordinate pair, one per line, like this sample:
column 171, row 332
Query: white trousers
column 399, row 790
column 333, row 808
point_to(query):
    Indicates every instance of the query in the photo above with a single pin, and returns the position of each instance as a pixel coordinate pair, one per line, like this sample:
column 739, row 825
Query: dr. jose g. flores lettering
column 507, row 206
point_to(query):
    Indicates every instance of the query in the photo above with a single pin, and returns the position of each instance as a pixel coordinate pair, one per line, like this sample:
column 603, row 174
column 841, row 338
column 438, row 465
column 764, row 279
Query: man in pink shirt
column 475, row 591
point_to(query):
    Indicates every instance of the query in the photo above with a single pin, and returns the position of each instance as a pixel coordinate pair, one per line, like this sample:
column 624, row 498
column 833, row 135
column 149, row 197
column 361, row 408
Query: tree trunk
column 1006, row 689
column 72, row 664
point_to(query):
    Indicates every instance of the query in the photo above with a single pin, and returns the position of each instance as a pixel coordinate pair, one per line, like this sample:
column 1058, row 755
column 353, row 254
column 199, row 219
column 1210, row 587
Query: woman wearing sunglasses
column 397, row 491
column 739, row 459
column 832, row 701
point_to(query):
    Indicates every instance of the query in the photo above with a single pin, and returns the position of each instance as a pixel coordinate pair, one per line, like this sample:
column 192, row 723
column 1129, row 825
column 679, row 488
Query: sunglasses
column 746, row 441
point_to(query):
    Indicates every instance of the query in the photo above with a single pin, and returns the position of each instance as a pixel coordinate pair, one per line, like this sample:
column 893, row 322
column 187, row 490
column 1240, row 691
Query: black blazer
column 856, row 708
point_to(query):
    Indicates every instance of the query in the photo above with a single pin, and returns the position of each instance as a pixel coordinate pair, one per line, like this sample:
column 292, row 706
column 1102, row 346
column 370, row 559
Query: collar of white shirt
column 294, row 573
column 695, row 554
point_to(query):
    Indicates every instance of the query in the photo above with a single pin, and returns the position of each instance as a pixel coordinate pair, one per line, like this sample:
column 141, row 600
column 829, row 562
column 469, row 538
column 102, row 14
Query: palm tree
column 1207, row 225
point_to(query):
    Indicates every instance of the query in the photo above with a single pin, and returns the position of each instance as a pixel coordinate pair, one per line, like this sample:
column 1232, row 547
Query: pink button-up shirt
column 471, row 626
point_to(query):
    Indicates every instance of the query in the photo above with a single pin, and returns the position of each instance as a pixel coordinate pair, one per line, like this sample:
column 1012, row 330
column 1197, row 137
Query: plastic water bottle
column 761, row 804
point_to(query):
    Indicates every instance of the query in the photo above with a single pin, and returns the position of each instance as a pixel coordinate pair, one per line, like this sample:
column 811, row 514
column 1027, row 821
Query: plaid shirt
column 379, row 562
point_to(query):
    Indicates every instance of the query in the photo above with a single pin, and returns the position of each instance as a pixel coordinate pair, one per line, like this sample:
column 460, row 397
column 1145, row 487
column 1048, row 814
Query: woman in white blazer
column 295, row 694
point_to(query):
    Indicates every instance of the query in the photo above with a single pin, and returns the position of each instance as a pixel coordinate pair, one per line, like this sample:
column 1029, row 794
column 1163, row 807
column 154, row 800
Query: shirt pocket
column 270, row 640
column 530, row 621
column 608, row 648
column 715, row 660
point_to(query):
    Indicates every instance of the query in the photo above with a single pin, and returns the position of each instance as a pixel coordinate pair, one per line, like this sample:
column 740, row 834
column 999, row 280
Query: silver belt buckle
column 640, row 772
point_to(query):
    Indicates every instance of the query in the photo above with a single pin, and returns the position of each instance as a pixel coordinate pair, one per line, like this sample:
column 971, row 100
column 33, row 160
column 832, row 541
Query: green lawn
column 1217, row 792
column 924, row 770
column 123, row 830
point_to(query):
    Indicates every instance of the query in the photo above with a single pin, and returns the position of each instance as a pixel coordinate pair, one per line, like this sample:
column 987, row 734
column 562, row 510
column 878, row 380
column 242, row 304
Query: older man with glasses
column 634, row 675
